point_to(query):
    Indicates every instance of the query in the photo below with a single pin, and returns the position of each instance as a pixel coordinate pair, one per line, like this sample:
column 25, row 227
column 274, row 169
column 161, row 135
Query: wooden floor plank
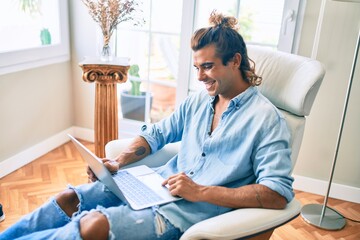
column 30, row 186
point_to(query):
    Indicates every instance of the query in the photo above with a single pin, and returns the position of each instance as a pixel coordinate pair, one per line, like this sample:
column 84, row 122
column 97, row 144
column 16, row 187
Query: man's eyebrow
column 204, row 64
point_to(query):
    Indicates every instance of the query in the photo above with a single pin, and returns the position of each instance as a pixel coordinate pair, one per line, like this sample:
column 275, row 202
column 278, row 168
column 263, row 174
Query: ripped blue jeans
column 50, row 221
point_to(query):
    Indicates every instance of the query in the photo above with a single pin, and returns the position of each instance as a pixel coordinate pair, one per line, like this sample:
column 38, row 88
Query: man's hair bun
column 220, row 20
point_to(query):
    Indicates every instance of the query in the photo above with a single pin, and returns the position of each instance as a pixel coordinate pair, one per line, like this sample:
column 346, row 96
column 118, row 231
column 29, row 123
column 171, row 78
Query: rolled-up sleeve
column 272, row 161
column 168, row 130
column 153, row 135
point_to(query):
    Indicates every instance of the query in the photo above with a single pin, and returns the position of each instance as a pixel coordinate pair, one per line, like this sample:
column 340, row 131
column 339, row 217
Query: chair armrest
column 115, row 147
column 243, row 222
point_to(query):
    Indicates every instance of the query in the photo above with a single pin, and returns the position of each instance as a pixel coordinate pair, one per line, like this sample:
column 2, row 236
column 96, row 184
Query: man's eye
column 207, row 66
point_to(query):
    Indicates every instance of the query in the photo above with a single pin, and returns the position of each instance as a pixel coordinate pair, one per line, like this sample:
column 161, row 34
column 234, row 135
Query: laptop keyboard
column 134, row 189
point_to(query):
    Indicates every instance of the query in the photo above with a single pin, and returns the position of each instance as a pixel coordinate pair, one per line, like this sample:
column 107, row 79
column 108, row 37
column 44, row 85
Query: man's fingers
column 112, row 166
column 91, row 175
column 165, row 182
column 170, row 180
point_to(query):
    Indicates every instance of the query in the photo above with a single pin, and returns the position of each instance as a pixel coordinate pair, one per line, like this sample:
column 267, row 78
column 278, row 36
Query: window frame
column 43, row 55
column 293, row 14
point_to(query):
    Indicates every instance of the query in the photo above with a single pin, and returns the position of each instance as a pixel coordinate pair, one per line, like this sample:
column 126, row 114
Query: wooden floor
column 27, row 188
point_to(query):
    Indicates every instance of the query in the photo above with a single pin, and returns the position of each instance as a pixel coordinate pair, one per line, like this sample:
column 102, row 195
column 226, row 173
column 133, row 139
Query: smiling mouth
column 209, row 84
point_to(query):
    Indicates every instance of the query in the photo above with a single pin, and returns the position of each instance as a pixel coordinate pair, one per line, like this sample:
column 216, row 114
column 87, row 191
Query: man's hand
column 112, row 165
column 183, row 186
column 91, row 175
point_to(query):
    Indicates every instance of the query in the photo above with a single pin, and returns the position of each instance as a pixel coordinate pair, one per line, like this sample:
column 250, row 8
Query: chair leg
column 263, row 236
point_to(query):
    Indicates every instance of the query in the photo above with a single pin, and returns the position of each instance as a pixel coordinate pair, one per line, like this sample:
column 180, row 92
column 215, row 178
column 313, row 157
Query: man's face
column 218, row 79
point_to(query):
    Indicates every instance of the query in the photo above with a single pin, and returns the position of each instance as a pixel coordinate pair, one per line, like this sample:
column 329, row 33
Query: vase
column 106, row 54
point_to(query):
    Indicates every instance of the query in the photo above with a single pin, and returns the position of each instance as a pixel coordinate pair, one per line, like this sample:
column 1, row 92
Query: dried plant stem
column 109, row 13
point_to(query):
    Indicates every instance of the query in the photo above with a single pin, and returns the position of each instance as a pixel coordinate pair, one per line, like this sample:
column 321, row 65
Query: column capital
column 105, row 72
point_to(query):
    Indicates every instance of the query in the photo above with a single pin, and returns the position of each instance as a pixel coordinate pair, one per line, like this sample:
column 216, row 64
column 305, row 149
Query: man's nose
column 201, row 75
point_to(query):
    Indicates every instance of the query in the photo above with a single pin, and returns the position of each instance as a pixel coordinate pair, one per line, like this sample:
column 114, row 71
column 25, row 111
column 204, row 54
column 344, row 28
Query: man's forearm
column 255, row 195
column 136, row 151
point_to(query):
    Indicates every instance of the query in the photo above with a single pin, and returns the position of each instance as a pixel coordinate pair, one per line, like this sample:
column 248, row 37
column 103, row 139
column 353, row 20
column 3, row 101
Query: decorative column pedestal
column 105, row 75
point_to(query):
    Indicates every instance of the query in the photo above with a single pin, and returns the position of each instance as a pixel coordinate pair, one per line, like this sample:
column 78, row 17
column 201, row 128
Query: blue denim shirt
column 251, row 144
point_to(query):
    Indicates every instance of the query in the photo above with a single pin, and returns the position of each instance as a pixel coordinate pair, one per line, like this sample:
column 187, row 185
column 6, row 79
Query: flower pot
column 133, row 107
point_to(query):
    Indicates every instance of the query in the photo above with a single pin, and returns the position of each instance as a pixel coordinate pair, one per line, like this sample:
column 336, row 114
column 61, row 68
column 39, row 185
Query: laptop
column 140, row 187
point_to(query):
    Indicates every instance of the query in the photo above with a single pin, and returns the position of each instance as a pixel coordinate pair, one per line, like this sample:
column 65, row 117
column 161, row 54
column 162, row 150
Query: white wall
column 340, row 29
column 83, row 42
column 34, row 105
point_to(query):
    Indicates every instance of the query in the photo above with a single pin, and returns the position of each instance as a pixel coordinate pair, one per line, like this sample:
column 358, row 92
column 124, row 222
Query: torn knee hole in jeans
column 80, row 201
column 160, row 224
column 103, row 211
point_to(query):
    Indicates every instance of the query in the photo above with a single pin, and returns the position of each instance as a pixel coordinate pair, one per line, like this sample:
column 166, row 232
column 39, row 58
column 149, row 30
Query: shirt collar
column 238, row 100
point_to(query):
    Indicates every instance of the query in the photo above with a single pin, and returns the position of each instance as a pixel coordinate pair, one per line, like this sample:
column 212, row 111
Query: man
column 234, row 153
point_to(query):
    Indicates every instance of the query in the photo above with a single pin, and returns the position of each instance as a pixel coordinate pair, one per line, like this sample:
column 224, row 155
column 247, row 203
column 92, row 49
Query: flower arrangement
column 108, row 14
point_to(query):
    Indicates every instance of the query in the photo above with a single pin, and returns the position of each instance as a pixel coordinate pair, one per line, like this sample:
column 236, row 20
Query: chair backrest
column 291, row 83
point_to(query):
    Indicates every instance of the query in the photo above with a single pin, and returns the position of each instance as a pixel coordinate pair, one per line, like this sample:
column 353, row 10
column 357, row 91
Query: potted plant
column 133, row 101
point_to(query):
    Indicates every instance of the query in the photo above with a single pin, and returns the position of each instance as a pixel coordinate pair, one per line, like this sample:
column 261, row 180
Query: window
column 34, row 33
column 154, row 47
column 161, row 47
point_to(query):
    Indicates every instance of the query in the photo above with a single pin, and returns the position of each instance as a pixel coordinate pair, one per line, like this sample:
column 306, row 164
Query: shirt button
column 191, row 173
column 203, row 154
column 143, row 128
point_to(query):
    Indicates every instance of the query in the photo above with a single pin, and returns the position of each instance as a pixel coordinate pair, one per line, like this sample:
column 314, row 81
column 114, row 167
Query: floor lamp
column 319, row 215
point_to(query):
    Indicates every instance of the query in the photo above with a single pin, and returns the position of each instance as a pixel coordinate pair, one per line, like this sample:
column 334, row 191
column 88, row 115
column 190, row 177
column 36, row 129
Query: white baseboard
column 316, row 186
column 301, row 183
column 28, row 155
column 84, row 134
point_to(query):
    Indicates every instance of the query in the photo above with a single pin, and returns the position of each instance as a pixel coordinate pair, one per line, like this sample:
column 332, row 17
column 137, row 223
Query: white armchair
column 291, row 83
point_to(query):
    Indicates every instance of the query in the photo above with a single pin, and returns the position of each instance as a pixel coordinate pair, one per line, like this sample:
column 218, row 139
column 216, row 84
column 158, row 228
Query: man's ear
column 237, row 60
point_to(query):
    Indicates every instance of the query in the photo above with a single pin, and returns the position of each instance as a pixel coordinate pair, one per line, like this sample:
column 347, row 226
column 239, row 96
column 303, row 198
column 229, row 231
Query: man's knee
column 68, row 201
column 94, row 226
